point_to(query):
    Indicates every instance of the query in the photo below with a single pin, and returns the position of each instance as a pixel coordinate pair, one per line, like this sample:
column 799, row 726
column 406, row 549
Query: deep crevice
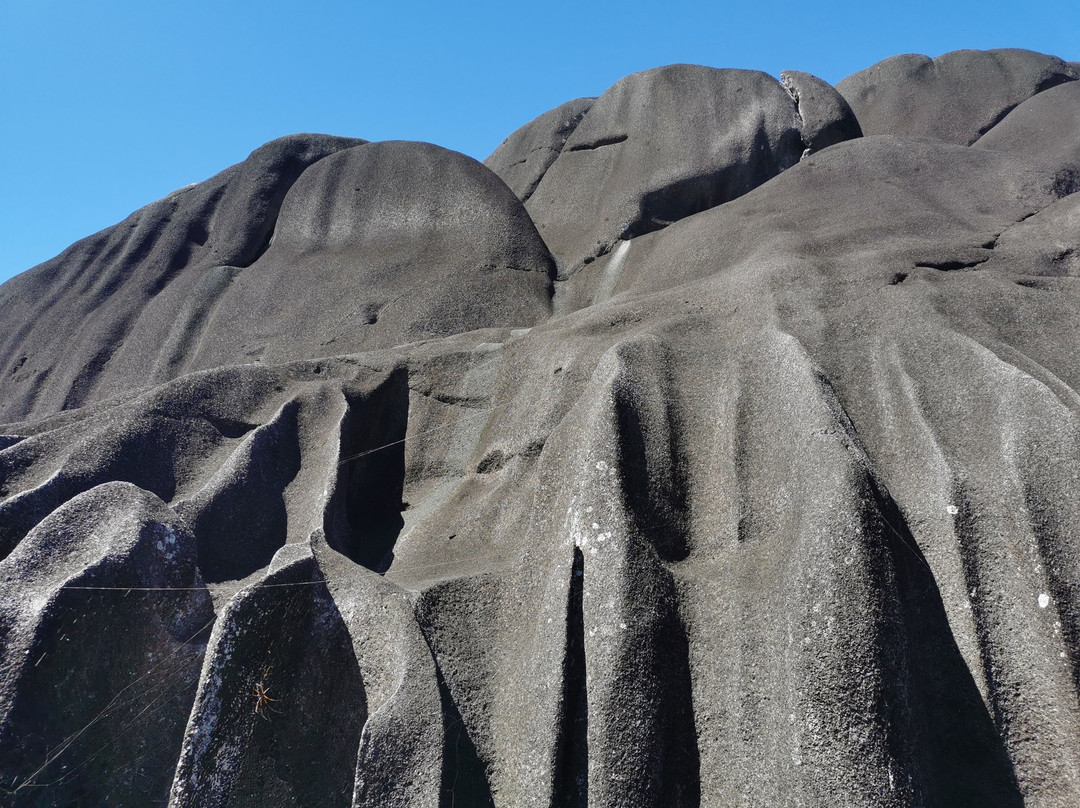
column 949, row 266
column 599, row 143
column 363, row 517
column 570, row 778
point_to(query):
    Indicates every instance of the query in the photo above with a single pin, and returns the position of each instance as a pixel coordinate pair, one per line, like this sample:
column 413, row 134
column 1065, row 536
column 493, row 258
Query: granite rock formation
column 714, row 443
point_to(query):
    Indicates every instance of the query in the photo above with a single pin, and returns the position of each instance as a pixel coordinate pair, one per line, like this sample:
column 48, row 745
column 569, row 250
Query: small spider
column 262, row 699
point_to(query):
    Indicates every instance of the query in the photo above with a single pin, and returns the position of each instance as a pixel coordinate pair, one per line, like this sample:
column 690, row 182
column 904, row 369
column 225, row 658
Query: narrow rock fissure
column 571, row 771
column 949, row 266
column 599, row 143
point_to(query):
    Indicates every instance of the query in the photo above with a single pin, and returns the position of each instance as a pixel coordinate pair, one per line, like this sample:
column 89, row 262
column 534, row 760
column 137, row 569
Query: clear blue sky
column 111, row 104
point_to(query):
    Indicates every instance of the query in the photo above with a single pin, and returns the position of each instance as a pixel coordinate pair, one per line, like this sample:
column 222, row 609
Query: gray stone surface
column 67, row 323
column 957, row 97
column 523, row 158
column 664, row 144
column 825, row 116
column 1046, row 127
column 774, row 504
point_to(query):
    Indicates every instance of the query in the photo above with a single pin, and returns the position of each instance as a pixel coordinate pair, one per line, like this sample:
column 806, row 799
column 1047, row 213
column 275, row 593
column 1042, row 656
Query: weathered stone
column 774, row 501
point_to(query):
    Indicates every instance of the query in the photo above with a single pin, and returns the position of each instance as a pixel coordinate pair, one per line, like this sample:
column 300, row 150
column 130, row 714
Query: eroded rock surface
column 714, row 443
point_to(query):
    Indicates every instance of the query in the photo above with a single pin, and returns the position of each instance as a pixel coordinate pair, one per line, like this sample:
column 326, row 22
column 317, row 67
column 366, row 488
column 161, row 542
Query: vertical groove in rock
column 239, row 518
column 571, row 772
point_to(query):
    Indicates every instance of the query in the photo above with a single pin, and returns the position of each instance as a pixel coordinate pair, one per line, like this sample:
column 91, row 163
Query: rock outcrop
column 713, row 443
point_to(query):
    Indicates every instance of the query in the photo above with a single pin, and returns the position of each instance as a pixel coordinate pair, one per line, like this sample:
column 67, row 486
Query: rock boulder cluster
column 716, row 442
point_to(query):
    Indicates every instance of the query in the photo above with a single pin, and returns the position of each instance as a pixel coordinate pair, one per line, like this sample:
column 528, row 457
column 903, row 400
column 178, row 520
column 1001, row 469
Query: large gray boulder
column 775, row 503
column 957, row 97
column 523, row 158
column 105, row 622
column 1046, row 127
column 65, row 321
column 666, row 143
column 267, row 262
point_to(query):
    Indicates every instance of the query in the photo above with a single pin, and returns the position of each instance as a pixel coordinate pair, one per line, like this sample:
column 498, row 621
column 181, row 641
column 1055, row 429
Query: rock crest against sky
column 712, row 443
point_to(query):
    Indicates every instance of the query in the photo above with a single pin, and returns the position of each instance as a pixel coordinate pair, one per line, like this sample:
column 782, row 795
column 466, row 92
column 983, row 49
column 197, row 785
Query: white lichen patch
column 1044, row 600
column 952, row 510
column 166, row 542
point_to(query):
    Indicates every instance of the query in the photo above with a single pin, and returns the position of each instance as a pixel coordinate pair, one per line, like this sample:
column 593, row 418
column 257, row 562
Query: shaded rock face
column 338, row 247
column 662, row 145
column 344, row 478
column 957, row 97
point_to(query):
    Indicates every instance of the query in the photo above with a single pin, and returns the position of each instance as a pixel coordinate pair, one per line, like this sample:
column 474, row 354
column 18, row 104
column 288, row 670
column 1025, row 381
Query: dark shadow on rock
column 951, row 740
column 464, row 782
column 364, row 517
column 239, row 519
column 571, row 770
column 100, row 714
column 652, row 478
column 685, row 197
column 681, row 786
column 280, row 719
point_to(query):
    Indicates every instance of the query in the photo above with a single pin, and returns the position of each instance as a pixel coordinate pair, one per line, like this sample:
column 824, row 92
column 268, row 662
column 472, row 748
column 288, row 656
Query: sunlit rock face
column 715, row 442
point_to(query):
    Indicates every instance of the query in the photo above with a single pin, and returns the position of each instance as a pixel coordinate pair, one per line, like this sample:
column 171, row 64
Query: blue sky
column 108, row 105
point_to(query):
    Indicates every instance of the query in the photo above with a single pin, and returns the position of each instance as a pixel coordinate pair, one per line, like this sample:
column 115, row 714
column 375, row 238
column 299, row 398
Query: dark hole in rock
column 534, row 448
column 949, row 266
column 197, row 233
column 365, row 518
column 493, row 461
column 230, row 427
